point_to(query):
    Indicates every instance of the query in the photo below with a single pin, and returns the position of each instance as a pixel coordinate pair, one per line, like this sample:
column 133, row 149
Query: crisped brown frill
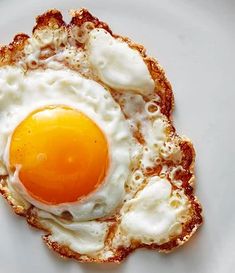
column 14, row 51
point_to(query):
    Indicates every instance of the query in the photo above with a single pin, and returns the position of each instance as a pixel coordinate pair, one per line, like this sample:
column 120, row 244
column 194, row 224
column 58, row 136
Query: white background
column 195, row 43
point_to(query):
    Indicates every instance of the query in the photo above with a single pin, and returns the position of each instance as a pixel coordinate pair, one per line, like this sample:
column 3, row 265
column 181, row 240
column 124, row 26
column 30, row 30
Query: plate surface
column 194, row 42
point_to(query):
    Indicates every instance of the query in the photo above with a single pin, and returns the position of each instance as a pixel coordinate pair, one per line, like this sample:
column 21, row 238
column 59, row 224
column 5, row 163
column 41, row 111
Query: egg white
column 118, row 65
column 155, row 214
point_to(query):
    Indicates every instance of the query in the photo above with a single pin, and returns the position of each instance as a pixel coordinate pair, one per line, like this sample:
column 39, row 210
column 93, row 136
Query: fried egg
column 88, row 152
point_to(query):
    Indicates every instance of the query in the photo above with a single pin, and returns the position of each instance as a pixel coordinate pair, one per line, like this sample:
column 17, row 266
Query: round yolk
column 61, row 154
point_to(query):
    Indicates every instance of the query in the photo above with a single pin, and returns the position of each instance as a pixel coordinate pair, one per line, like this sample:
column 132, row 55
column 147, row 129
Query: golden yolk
column 62, row 155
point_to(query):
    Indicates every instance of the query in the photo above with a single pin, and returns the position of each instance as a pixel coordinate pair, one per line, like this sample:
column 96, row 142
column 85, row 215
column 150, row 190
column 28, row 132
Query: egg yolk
column 61, row 154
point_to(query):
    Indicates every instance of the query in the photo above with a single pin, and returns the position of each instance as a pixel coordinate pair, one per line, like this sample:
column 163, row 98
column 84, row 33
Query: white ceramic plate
column 195, row 43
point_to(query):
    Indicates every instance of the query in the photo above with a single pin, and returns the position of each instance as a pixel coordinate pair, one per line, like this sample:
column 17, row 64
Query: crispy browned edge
column 11, row 53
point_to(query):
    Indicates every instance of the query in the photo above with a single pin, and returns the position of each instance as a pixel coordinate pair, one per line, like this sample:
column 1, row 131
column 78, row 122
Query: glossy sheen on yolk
column 61, row 153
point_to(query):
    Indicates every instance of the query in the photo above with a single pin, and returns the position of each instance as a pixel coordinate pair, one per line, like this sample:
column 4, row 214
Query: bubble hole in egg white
column 21, row 94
